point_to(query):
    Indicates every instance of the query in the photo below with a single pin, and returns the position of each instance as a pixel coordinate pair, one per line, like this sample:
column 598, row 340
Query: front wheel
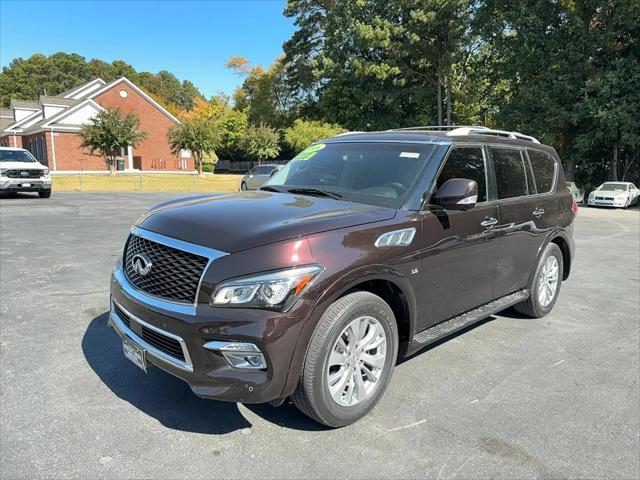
column 44, row 193
column 349, row 360
column 243, row 186
column 544, row 287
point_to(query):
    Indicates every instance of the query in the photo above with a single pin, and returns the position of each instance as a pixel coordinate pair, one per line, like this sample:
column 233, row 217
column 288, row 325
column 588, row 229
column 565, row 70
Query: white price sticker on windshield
column 409, row 155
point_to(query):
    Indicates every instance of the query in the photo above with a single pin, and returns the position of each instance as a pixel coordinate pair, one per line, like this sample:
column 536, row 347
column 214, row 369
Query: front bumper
column 25, row 184
column 192, row 326
column 607, row 203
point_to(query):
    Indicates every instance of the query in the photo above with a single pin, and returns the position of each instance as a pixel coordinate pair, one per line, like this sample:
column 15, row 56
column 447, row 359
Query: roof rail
column 435, row 127
column 347, row 133
column 489, row 131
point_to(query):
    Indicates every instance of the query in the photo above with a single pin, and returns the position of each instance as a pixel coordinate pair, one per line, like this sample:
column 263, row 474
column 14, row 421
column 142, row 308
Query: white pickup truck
column 21, row 172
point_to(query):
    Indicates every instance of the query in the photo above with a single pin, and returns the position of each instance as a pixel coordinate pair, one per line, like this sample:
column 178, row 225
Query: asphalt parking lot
column 511, row 398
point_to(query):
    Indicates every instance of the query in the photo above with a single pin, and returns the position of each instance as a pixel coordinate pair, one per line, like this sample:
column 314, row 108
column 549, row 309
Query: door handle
column 489, row 222
column 538, row 212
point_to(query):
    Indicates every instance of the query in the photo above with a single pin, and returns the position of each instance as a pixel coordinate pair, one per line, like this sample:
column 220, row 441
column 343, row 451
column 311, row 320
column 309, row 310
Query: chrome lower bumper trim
column 117, row 323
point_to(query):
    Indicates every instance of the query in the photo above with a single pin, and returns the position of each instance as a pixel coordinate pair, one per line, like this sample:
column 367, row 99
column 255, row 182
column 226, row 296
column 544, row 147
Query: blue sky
column 191, row 39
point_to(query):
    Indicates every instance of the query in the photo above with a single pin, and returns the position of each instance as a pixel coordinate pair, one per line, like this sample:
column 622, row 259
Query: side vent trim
column 396, row 238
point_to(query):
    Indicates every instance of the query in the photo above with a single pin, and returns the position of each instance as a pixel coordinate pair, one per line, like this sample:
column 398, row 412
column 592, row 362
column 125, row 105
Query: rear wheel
column 44, row 193
column 545, row 284
column 349, row 361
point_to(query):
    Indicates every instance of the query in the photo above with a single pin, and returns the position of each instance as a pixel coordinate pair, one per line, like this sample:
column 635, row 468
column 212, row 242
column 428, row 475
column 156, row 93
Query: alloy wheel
column 356, row 361
column 548, row 281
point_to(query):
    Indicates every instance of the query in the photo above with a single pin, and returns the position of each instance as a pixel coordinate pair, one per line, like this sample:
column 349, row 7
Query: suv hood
column 22, row 165
column 239, row 221
column 609, row 193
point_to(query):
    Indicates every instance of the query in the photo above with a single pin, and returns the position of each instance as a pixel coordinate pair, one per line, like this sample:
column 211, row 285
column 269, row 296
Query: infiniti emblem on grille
column 141, row 264
column 24, row 174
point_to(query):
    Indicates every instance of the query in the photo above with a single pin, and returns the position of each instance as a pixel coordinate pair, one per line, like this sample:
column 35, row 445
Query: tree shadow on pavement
column 167, row 398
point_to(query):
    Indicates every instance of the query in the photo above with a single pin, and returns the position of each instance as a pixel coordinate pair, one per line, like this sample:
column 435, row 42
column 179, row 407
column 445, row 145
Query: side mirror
column 457, row 194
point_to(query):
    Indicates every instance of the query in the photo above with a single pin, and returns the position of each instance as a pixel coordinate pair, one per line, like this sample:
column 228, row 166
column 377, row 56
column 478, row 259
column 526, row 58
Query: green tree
column 261, row 142
column 304, row 132
column 374, row 65
column 265, row 95
column 109, row 132
column 199, row 136
column 569, row 74
column 230, row 123
column 40, row 75
column 52, row 75
column 166, row 86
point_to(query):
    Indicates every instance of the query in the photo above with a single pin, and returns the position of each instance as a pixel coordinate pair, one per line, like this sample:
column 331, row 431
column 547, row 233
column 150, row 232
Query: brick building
column 49, row 128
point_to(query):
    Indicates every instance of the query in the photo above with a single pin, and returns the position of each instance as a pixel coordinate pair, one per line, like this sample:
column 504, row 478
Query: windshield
column 380, row 174
column 16, row 156
column 616, row 187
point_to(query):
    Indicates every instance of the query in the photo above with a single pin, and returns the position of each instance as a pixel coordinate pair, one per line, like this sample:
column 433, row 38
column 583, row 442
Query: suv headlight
column 276, row 290
column 45, row 172
column 3, row 171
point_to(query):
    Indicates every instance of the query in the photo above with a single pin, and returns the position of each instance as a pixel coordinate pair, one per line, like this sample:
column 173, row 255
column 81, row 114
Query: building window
column 124, row 93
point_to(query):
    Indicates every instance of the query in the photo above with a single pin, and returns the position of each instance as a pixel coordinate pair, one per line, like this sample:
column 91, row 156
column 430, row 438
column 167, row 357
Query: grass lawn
column 147, row 182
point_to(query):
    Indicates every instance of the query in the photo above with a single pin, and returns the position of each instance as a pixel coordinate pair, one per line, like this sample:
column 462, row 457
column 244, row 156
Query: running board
column 455, row 324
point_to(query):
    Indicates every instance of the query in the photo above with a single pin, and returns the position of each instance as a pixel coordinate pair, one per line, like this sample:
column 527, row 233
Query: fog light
column 239, row 354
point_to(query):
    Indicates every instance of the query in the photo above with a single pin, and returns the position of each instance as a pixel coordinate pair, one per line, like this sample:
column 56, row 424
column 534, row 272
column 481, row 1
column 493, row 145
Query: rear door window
column 544, row 170
column 511, row 179
column 466, row 162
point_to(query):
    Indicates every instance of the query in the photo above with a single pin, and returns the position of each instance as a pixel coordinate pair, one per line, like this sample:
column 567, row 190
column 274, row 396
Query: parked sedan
column 576, row 193
column 256, row 177
column 614, row 194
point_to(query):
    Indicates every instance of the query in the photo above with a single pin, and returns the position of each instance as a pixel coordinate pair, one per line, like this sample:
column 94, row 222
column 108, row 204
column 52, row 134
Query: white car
column 21, row 172
column 614, row 194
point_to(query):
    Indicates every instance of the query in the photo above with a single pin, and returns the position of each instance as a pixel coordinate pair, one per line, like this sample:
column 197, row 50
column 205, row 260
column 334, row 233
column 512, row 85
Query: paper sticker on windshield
column 409, row 155
column 309, row 152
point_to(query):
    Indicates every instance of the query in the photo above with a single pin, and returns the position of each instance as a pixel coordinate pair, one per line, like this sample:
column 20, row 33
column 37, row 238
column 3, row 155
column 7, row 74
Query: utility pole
column 81, row 171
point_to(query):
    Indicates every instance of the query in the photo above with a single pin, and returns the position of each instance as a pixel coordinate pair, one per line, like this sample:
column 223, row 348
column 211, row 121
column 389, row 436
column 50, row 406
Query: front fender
column 337, row 289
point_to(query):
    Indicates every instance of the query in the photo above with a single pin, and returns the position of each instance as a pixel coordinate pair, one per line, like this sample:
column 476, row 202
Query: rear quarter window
column 544, row 170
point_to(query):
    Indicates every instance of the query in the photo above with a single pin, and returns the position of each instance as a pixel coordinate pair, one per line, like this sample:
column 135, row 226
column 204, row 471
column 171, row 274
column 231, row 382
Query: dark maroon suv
column 364, row 248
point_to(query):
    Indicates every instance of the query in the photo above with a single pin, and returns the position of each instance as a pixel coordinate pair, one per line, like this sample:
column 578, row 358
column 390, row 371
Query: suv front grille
column 168, row 345
column 27, row 173
column 123, row 316
column 174, row 275
column 164, row 343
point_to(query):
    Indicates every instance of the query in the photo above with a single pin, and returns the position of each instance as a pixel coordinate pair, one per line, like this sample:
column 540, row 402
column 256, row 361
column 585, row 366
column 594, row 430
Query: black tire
column 532, row 306
column 312, row 395
column 44, row 193
column 243, row 187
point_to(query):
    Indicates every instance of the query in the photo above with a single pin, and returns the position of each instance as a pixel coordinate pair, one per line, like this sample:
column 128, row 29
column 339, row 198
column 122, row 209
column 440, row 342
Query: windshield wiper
column 269, row 188
column 315, row 191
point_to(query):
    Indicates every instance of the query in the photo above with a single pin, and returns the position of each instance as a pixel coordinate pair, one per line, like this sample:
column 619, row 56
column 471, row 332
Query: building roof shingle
column 51, row 100
column 40, row 123
column 15, row 103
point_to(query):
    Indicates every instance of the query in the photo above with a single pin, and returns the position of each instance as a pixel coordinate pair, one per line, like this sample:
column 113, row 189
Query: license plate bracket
column 136, row 354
